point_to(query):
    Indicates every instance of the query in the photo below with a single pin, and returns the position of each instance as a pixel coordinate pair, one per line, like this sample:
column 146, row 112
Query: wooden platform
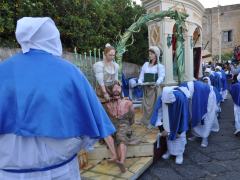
column 139, row 157
column 109, row 171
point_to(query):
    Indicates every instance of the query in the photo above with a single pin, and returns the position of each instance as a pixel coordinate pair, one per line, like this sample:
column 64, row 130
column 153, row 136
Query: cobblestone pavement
column 220, row 160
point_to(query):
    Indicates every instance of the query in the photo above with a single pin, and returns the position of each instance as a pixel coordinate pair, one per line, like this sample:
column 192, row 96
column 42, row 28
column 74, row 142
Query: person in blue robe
column 215, row 78
column 218, row 99
column 178, row 116
column 217, row 82
column 199, row 102
column 224, row 84
column 218, row 95
column 204, row 109
column 220, row 72
column 48, row 109
column 235, row 93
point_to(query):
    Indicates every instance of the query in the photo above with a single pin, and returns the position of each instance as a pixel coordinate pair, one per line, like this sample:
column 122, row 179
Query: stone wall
column 7, row 52
column 129, row 69
column 229, row 20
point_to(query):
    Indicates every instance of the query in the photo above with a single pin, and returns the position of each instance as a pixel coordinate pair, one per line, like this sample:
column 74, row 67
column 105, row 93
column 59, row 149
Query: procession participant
column 48, row 109
column 223, row 81
column 151, row 71
column 171, row 115
column 215, row 126
column 235, row 93
column 215, row 79
column 203, row 110
column 120, row 110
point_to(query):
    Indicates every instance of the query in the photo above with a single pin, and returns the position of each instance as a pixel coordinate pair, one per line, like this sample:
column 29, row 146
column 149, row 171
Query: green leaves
column 180, row 25
column 85, row 24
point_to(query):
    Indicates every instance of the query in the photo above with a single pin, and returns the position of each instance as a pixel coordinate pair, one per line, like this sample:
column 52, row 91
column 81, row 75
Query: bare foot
column 121, row 166
column 112, row 160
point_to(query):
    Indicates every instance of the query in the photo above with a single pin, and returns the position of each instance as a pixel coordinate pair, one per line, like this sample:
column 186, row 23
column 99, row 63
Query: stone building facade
column 221, row 22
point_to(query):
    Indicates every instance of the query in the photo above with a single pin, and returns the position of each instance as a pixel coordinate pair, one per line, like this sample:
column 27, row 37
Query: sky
column 212, row 3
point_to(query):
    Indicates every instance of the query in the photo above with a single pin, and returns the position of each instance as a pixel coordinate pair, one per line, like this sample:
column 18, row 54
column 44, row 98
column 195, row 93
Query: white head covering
column 38, row 33
column 168, row 95
column 218, row 67
column 108, row 45
column 157, row 51
column 208, row 79
column 238, row 77
column 208, row 70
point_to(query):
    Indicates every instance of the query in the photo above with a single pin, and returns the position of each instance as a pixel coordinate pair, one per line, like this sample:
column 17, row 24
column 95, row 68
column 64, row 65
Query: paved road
column 220, row 160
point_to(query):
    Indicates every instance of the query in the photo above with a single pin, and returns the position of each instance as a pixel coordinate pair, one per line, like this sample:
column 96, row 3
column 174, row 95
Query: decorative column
column 201, row 61
column 188, row 75
column 166, row 33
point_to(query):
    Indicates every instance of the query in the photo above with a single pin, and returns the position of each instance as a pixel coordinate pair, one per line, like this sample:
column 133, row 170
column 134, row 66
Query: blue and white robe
column 224, row 85
column 203, row 108
column 173, row 114
column 48, row 112
column 235, row 93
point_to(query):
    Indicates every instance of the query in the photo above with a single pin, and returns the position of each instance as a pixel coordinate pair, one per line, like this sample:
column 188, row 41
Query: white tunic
column 39, row 152
column 175, row 147
column 224, row 94
column 158, row 68
column 237, row 117
column 101, row 69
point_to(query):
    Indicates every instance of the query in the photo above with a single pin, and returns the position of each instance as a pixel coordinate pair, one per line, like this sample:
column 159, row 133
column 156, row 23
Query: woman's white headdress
column 157, row 51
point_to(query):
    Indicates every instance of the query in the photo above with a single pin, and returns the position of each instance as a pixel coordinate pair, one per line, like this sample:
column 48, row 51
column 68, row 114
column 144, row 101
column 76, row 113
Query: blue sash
column 40, row 169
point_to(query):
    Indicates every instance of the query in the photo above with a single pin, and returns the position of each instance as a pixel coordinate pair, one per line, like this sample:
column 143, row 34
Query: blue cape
column 235, row 93
column 199, row 102
column 218, row 95
column 157, row 106
column 178, row 114
column 44, row 95
column 216, row 81
column 224, row 80
column 184, row 84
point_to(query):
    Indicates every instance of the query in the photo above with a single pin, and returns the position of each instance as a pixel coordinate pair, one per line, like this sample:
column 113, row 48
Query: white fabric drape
column 237, row 117
column 38, row 33
column 177, row 147
column 39, row 152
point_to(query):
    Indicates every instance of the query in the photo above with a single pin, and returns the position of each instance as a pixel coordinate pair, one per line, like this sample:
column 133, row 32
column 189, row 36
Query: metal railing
column 85, row 62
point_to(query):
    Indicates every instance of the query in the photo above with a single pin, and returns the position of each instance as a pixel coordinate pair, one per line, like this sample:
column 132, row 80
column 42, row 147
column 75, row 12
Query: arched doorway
column 197, row 49
column 174, row 49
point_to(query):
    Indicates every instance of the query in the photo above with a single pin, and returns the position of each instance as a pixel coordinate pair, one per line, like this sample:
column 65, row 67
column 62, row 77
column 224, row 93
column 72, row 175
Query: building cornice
column 194, row 4
column 223, row 8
